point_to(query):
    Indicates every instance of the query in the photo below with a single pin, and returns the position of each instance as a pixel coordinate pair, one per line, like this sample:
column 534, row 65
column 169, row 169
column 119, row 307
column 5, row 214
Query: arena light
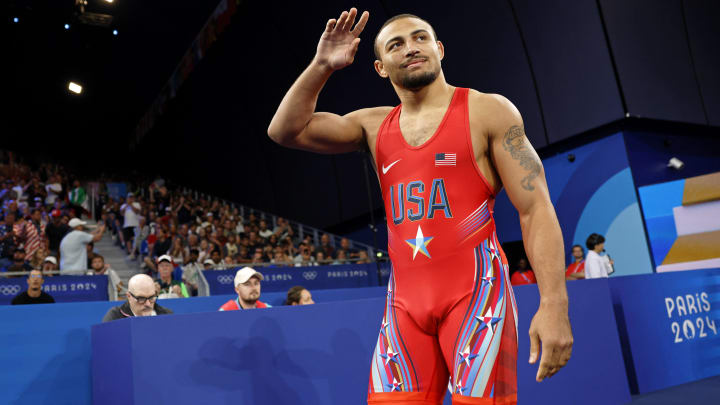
column 109, row 1
column 16, row 20
column 676, row 163
column 75, row 88
column 115, row 32
column 67, row 26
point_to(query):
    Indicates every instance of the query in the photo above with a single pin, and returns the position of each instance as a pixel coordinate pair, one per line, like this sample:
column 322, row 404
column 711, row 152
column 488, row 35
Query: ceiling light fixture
column 75, row 88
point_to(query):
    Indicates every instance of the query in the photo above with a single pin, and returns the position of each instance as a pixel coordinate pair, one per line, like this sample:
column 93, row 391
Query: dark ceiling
column 121, row 75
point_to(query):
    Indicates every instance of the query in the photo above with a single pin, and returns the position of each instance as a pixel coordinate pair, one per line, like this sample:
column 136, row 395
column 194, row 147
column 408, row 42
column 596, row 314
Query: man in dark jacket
column 141, row 300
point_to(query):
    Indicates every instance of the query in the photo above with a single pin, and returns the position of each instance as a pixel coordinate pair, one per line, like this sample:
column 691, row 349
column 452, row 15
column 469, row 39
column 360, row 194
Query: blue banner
column 669, row 324
column 312, row 278
column 61, row 288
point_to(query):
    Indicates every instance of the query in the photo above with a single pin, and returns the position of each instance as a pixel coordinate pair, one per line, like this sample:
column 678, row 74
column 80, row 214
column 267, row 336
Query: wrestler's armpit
column 515, row 142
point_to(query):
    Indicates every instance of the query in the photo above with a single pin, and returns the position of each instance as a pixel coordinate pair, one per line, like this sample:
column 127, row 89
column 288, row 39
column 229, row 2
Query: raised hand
column 339, row 42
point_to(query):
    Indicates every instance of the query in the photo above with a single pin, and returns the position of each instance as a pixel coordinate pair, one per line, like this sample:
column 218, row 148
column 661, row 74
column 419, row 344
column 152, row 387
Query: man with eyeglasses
column 34, row 294
column 141, row 300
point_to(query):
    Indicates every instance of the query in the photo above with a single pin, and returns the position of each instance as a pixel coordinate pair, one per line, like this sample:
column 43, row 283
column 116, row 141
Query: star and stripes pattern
column 445, row 159
column 476, row 372
column 474, row 223
column 389, row 369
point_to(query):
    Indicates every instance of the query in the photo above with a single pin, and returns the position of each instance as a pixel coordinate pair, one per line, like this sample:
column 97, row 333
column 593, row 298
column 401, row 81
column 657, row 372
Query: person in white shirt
column 131, row 212
column 53, row 189
column 597, row 266
column 73, row 247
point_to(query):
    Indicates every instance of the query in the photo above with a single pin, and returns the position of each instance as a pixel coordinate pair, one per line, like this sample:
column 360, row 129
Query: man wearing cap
column 34, row 294
column 56, row 231
column 247, row 287
column 141, row 300
column 165, row 278
column 73, row 247
column 49, row 264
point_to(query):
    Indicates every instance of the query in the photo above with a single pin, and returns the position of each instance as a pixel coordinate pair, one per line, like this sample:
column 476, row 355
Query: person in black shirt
column 55, row 231
column 34, row 294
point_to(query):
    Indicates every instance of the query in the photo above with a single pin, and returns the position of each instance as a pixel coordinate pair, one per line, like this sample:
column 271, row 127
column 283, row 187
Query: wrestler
column 441, row 157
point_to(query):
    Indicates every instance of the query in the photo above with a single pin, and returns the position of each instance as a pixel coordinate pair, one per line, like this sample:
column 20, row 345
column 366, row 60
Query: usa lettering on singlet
column 449, row 303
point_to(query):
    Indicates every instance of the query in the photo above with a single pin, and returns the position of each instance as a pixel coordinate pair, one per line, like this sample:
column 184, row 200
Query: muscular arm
column 523, row 177
column 296, row 124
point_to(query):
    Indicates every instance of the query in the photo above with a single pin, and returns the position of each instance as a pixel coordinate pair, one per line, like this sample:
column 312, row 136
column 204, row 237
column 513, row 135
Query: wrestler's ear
column 441, row 49
column 380, row 69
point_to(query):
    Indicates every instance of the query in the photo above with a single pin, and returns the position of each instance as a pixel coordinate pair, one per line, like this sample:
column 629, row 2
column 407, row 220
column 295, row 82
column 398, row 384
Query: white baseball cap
column 166, row 258
column 50, row 259
column 208, row 261
column 245, row 274
column 74, row 223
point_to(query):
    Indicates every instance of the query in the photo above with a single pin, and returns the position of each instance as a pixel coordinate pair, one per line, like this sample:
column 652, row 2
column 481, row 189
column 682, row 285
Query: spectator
column 53, row 189
column 34, row 294
column 341, row 257
column 130, row 211
column 36, row 261
column 208, row 264
column 362, row 257
column 304, row 259
column 141, row 300
column 191, row 272
column 160, row 247
column 78, row 199
column 326, row 247
column 299, row 295
column 350, row 253
column 522, row 274
column 8, row 241
column 73, row 247
column 30, row 230
column 49, row 264
column 167, row 284
column 178, row 252
column 576, row 269
column 18, row 261
column 247, row 287
column 217, row 260
column 597, row 266
column 230, row 248
column 56, row 231
column 98, row 267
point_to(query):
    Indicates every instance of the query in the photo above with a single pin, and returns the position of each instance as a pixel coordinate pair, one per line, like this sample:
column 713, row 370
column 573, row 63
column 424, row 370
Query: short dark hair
column 97, row 256
column 581, row 248
column 593, row 240
column 395, row 18
column 293, row 295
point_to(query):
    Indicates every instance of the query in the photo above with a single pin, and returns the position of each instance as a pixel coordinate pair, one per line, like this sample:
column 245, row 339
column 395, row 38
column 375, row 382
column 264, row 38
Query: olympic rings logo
column 9, row 289
column 310, row 275
column 225, row 279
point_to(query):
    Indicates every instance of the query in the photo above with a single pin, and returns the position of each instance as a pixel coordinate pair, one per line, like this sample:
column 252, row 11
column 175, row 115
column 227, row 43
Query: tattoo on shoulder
column 514, row 141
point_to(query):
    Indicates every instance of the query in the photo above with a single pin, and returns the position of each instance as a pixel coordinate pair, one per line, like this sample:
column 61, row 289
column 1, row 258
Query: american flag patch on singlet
column 445, row 159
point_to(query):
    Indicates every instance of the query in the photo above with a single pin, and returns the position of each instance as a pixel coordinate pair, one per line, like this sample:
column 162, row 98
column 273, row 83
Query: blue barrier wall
column 62, row 288
column 48, row 346
column 670, row 327
column 321, row 355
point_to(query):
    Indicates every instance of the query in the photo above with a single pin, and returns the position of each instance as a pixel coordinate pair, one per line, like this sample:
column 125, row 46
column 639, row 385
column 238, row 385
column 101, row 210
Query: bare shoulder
column 495, row 110
column 370, row 120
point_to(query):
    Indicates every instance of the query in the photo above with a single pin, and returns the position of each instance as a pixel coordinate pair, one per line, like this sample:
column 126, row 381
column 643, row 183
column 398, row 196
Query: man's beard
column 418, row 81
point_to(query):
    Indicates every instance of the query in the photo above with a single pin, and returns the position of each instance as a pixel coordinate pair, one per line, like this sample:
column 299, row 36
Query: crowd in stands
column 38, row 207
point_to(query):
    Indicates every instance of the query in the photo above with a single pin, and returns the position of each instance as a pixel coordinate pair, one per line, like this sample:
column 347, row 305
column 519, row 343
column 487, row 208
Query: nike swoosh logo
column 385, row 169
